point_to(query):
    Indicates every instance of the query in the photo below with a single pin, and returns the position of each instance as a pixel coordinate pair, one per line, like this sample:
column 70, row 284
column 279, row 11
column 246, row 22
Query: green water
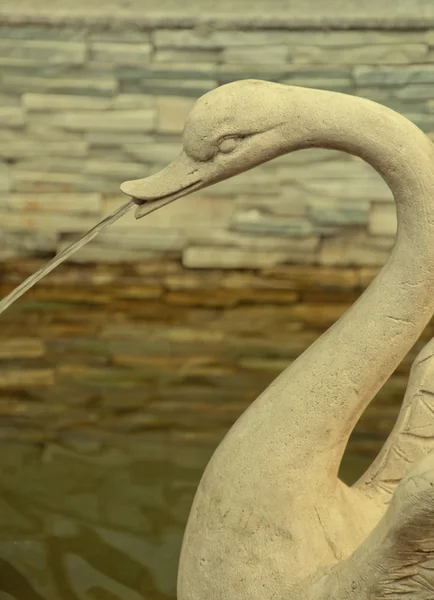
column 112, row 400
column 100, row 518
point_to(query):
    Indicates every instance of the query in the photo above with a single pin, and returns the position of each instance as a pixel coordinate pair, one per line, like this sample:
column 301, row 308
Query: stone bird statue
column 271, row 519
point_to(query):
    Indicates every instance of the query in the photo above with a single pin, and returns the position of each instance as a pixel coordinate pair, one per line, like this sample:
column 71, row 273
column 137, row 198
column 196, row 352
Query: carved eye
column 229, row 144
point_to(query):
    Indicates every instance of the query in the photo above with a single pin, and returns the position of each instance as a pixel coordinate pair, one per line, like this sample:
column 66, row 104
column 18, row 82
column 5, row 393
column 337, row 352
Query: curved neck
column 390, row 143
column 325, row 391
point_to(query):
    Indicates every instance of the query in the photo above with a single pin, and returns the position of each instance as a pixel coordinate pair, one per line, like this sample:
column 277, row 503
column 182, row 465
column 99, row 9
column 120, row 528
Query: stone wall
column 83, row 108
column 199, row 307
column 153, row 346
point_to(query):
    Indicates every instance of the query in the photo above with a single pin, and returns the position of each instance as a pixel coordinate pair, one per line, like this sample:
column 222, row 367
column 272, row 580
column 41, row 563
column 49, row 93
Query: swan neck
column 400, row 152
column 334, row 380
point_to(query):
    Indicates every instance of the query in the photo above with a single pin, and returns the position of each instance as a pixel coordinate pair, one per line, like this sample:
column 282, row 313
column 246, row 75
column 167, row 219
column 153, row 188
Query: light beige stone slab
column 53, row 203
column 38, row 181
column 256, row 55
column 38, row 221
column 388, row 54
column 105, row 85
column 195, row 213
column 358, row 249
column 362, row 189
column 190, row 55
column 51, row 164
column 385, row 76
column 31, row 148
column 12, row 116
column 56, row 102
column 41, row 51
column 113, row 169
column 133, row 102
column 119, row 53
column 26, row 244
column 151, row 151
column 226, row 257
column 121, row 120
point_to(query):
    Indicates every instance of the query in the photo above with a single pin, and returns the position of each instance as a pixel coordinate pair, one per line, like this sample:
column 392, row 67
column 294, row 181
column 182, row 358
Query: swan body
column 270, row 518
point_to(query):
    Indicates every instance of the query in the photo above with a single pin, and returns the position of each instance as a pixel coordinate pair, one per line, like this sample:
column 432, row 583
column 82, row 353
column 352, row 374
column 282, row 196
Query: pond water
column 115, row 390
column 101, row 517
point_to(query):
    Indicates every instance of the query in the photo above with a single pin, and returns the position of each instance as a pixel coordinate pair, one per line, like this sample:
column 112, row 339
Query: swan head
column 228, row 131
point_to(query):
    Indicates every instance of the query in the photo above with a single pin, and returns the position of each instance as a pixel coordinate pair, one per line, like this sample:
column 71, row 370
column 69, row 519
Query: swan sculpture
column 271, row 519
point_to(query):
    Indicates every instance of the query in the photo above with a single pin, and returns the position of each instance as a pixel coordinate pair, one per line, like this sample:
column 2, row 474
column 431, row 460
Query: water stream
column 70, row 250
column 63, row 255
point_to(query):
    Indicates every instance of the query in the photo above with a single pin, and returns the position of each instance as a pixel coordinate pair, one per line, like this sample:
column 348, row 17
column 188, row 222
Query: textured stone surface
column 101, row 86
column 358, row 38
column 388, row 54
column 53, row 203
column 370, row 189
column 102, row 143
column 120, row 54
column 261, row 222
column 11, row 116
column 87, row 108
column 138, row 120
column 336, row 213
column 38, row 51
column 394, row 76
column 256, row 55
column 51, row 164
column 37, row 181
column 171, row 113
column 279, row 13
column 31, row 148
column 414, row 92
column 354, row 249
column 133, row 102
column 222, row 238
column 189, row 88
column 226, row 257
column 205, row 38
column 49, row 221
column 112, row 169
column 153, row 152
column 55, row 102
column 27, row 244
column 186, row 55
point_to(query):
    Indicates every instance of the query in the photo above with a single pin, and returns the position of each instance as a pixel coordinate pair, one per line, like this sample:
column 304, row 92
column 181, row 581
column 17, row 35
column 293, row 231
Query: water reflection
column 101, row 522
column 94, row 353
column 99, row 519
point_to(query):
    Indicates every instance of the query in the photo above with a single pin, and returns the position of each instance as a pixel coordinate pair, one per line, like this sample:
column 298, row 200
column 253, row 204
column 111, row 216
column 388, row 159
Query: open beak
column 178, row 179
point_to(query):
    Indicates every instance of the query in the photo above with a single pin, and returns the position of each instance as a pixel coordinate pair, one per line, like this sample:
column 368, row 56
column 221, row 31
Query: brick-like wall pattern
column 81, row 110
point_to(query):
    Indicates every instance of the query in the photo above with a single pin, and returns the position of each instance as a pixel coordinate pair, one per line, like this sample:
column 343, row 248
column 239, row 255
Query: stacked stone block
column 82, row 109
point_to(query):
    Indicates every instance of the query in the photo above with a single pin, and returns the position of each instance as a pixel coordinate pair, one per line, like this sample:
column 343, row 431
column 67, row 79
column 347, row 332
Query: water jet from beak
column 63, row 255
column 148, row 195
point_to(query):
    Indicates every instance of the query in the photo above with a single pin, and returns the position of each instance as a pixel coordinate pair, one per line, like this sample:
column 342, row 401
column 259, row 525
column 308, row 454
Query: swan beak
column 179, row 178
